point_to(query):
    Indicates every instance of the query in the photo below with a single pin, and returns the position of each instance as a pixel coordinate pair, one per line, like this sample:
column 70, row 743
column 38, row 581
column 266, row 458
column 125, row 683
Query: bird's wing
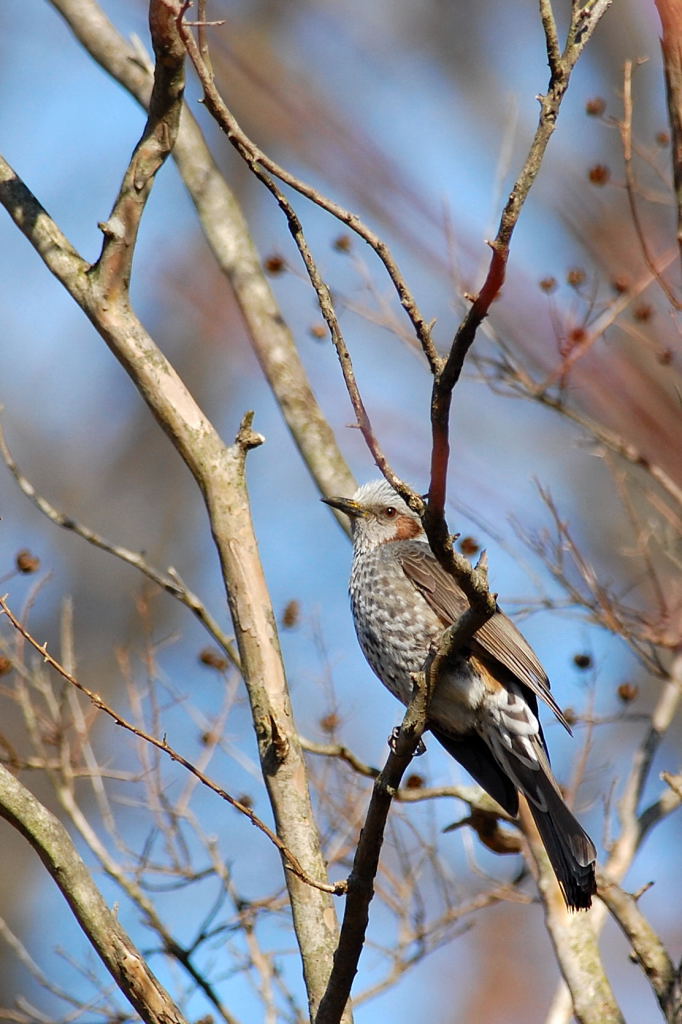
column 498, row 637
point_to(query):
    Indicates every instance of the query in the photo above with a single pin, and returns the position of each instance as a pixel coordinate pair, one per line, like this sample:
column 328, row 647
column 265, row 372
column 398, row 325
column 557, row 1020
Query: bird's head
column 378, row 514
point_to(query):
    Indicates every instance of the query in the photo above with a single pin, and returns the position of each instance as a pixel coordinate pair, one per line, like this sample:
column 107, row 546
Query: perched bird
column 484, row 709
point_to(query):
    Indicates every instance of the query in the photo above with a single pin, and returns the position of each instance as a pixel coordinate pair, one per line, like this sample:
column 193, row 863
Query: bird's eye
column 390, row 512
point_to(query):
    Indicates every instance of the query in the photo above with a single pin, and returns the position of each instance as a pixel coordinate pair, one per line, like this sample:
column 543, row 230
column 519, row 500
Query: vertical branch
column 583, row 22
column 574, row 940
column 625, row 128
column 670, row 13
column 634, row 825
column 219, row 472
column 203, row 39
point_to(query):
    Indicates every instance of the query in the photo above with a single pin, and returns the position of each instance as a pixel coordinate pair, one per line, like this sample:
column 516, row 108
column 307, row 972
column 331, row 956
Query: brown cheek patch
column 406, row 528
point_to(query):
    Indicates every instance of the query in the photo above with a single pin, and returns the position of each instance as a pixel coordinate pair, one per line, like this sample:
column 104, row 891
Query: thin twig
column 472, row 795
column 255, row 156
column 170, row 582
column 583, row 22
column 166, row 748
column 625, row 129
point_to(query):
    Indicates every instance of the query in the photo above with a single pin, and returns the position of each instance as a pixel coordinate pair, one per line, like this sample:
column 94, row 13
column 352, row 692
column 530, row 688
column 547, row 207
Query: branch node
column 637, row 895
column 246, row 437
column 112, row 228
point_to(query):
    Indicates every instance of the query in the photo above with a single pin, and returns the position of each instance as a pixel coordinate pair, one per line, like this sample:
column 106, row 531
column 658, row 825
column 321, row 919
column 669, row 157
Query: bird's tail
column 570, row 850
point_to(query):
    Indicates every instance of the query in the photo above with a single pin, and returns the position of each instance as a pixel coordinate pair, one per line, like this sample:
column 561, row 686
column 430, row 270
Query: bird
column 484, row 707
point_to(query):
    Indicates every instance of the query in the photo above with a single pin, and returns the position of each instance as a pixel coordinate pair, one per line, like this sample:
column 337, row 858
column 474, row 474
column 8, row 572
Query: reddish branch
column 670, row 13
column 583, row 22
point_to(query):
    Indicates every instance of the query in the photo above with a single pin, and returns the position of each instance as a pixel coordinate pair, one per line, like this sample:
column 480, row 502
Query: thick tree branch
column 648, row 948
column 220, row 474
column 635, row 825
column 114, row 266
column 228, row 236
column 53, row 845
column 574, row 940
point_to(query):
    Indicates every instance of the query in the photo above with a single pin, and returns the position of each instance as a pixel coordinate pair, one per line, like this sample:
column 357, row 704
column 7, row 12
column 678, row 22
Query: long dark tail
column 570, row 850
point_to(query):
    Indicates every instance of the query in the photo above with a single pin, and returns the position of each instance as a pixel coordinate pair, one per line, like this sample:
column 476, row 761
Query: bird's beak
column 347, row 505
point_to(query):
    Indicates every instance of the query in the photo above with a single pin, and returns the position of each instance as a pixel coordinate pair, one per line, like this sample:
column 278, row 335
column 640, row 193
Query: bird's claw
column 393, row 740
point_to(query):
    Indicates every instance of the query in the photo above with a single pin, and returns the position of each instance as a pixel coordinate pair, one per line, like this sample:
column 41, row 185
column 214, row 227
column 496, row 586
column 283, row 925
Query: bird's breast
column 396, row 627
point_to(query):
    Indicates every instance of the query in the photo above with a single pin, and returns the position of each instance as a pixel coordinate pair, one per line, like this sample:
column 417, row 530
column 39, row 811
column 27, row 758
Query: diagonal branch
column 360, row 889
column 220, row 474
column 227, row 234
column 648, row 948
column 53, row 845
column 113, row 269
column 263, row 168
column 170, row 581
column 256, row 158
column 166, row 748
column 635, row 824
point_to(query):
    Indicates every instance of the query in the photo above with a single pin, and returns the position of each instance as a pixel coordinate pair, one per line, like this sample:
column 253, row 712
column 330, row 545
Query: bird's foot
column 393, row 739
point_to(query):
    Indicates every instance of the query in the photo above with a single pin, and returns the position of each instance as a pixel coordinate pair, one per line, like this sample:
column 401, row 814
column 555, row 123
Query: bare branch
column 574, row 941
column 625, row 128
column 47, row 239
column 256, row 158
column 53, row 845
column 634, row 826
column 360, row 888
column 219, row 472
column 227, row 234
column 551, row 37
column 256, row 161
column 170, row 582
column 112, row 270
column 647, row 947
column 671, row 21
column 164, row 746
column 583, row 22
